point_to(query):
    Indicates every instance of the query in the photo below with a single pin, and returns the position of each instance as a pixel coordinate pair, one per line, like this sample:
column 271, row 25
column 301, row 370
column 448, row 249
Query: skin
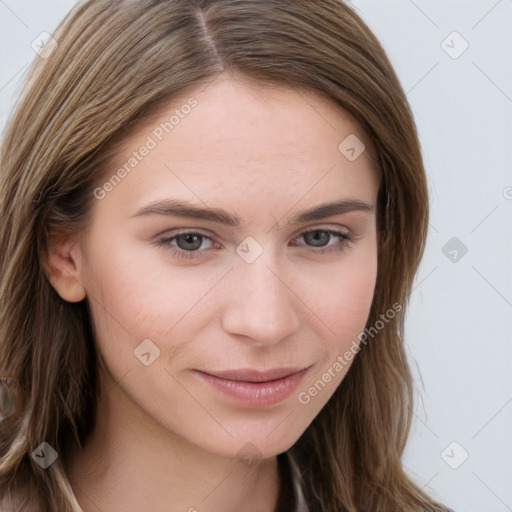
column 164, row 436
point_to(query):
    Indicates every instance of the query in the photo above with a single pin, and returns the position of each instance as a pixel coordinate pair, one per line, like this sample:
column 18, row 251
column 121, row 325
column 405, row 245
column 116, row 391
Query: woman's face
column 212, row 261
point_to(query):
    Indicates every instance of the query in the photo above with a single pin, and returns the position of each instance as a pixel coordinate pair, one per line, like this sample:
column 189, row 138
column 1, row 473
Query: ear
column 63, row 270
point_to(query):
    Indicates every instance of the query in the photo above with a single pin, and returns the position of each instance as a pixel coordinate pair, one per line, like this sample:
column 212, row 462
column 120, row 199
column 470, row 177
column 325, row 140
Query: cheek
column 127, row 288
column 134, row 299
column 351, row 298
column 341, row 295
column 343, row 309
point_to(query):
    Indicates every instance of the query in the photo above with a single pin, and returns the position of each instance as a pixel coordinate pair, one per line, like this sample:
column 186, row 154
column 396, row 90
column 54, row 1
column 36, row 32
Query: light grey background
column 459, row 324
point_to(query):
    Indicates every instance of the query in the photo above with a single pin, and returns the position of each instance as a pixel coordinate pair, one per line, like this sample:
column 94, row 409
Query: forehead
column 244, row 143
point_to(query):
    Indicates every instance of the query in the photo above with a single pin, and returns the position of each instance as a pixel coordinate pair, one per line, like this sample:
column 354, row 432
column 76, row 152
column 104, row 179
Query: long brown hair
column 115, row 63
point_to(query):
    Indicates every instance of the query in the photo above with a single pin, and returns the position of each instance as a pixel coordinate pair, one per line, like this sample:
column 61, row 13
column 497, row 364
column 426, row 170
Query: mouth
column 251, row 375
column 252, row 387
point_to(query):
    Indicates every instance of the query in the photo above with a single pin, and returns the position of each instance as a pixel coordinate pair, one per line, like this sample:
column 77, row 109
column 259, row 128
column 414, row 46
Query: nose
column 261, row 306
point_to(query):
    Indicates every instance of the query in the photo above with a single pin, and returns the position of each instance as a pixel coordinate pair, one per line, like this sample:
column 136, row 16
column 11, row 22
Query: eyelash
column 165, row 242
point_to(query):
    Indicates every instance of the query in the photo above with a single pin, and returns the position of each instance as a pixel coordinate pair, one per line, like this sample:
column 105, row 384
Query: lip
column 252, row 375
column 255, row 388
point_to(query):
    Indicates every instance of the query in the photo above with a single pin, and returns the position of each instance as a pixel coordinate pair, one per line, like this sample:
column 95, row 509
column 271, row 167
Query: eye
column 187, row 244
column 322, row 237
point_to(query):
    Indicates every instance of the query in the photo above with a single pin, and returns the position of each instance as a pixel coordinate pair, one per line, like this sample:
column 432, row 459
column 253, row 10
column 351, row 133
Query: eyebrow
column 174, row 207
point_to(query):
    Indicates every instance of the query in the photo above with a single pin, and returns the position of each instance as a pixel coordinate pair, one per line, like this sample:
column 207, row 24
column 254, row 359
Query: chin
column 254, row 443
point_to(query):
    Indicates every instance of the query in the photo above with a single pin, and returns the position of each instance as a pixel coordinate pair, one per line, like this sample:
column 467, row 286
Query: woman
column 212, row 215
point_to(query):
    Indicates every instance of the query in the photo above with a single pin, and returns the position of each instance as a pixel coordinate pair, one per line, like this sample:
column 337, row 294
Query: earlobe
column 68, row 287
column 63, row 274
